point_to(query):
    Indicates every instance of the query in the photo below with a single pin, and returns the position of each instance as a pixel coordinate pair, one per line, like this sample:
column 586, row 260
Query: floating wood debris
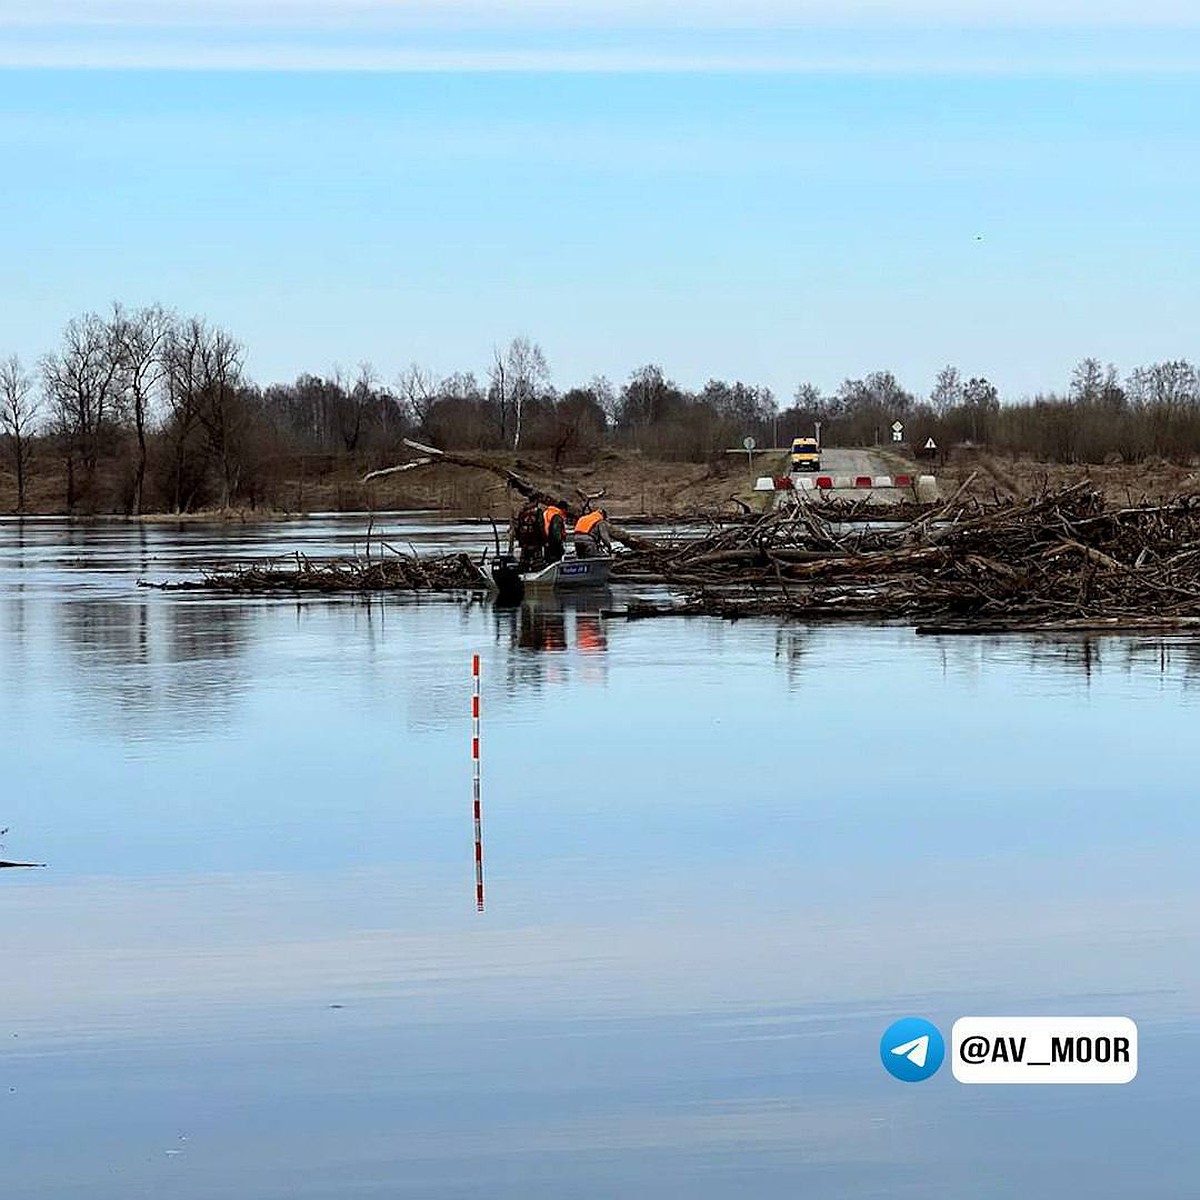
column 1062, row 560
column 391, row 570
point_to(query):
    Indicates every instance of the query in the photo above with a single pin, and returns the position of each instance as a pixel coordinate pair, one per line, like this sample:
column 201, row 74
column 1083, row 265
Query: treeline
column 143, row 410
column 1152, row 413
column 146, row 410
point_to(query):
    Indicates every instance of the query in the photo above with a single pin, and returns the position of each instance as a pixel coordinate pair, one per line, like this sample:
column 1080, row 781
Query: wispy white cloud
column 290, row 54
column 605, row 35
column 601, row 13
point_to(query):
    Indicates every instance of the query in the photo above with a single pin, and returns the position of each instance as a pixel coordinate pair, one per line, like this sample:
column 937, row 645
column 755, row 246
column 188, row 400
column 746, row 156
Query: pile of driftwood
column 392, row 571
column 1060, row 560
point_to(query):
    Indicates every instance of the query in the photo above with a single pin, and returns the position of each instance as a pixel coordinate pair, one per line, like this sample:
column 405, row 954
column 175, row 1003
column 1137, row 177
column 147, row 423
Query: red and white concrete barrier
column 827, row 483
column 891, row 488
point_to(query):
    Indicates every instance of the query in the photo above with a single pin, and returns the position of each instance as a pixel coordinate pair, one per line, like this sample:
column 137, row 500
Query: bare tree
column 184, row 358
column 352, row 404
column 529, row 375
column 878, row 390
column 982, row 402
column 807, row 397
column 947, row 391
column 517, row 377
column 647, row 398
column 19, row 410
column 1087, row 380
column 1170, row 386
column 418, row 392
column 222, row 409
column 577, row 424
column 82, row 383
column 140, row 338
column 606, row 396
column 499, row 394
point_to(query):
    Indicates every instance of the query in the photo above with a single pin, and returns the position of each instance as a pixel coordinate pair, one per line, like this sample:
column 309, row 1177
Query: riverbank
column 1002, row 477
column 630, row 485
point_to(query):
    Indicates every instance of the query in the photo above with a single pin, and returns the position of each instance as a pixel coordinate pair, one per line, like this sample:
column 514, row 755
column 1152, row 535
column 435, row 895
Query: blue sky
column 805, row 191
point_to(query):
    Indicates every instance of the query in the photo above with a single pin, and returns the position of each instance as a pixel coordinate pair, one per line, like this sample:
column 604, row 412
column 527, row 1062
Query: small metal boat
column 569, row 572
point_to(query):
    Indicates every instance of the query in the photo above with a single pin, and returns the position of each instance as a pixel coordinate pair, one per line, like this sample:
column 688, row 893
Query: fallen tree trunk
column 517, row 482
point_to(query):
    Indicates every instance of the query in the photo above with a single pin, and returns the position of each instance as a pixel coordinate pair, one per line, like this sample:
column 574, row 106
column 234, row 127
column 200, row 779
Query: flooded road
column 720, row 860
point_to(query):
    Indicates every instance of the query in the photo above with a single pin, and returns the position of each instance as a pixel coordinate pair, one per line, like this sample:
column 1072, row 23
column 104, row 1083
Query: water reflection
column 1083, row 656
column 791, row 645
column 555, row 623
column 544, row 627
column 148, row 667
column 258, row 928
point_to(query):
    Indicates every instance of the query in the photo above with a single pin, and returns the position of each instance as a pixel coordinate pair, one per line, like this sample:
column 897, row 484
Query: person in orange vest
column 591, row 534
column 589, row 633
column 529, row 532
column 555, row 530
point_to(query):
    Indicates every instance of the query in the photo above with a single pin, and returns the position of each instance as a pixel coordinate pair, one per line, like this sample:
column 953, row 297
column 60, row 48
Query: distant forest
column 142, row 410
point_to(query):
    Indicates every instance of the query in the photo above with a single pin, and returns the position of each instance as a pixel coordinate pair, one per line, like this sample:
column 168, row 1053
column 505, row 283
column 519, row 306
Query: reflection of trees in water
column 15, row 610
column 971, row 659
column 1176, row 656
column 791, row 645
column 167, row 666
column 12, row 544
column 200, row 631
column 1179, row 657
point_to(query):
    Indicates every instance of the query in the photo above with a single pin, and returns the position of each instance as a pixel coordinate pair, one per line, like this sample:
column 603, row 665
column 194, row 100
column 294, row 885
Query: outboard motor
column 506, row 575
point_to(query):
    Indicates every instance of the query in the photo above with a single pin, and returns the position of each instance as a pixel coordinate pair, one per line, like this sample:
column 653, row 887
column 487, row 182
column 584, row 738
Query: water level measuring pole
column 475, row 789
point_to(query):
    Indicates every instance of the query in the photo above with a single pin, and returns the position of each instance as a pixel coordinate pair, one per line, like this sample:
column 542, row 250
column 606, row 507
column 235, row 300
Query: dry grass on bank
column 633, row 485
column 1000, row 476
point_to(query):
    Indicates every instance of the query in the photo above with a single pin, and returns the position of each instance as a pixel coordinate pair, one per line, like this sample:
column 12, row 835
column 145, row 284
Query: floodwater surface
column 720, row 859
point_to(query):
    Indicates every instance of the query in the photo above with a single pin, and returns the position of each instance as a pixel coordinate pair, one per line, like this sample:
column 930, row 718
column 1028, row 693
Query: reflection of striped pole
column 475, row 783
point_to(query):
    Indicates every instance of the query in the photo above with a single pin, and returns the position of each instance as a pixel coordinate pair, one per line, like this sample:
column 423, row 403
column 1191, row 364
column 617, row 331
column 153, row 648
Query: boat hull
column 568, row 573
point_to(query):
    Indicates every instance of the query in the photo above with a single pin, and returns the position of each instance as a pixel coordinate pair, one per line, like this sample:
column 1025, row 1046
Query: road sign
column 749, row 443
column 897, row 427
column 931, row 444
column 897, row 435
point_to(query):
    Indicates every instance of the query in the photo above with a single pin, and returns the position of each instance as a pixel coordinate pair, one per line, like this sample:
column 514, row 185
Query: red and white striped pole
column 475, row 782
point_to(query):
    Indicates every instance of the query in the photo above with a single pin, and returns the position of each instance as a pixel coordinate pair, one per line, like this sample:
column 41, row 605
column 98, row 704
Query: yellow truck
column 806, row 454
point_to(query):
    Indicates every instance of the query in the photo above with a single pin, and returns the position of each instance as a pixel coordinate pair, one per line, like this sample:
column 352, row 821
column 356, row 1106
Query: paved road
column 853, row 463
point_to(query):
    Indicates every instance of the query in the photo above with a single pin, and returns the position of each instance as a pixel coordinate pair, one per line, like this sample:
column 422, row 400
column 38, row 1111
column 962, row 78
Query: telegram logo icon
column 912, row 1049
